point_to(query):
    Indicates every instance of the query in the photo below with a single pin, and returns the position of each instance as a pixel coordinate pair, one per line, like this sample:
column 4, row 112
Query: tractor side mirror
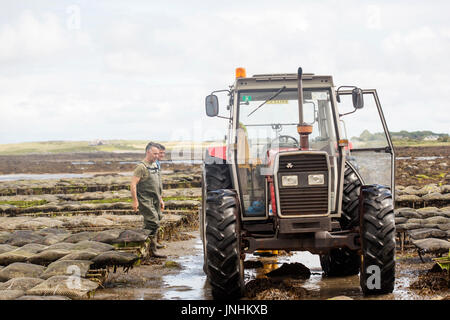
column 212, row 105
column 357, row 97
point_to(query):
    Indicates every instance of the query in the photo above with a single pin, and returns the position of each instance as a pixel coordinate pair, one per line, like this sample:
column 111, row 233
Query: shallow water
column 191, row 282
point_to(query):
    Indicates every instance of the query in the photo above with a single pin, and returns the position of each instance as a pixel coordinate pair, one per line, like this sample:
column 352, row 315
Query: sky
column 86, row 70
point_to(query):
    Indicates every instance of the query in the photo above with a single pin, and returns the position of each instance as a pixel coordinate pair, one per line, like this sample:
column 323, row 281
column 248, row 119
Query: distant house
column 431, row 138
column 97, row 143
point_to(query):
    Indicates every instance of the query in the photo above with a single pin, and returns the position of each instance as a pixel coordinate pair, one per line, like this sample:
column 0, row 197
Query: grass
column 24, row 204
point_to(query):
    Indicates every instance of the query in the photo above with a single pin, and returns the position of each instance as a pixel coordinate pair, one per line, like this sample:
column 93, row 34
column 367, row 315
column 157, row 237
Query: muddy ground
column 181, row 276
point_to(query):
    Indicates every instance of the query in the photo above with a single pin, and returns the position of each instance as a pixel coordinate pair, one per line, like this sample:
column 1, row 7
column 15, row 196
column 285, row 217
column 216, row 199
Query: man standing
column 146, row 190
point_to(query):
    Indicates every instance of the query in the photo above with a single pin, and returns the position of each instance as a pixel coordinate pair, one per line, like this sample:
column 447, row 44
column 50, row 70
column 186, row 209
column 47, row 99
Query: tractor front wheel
column 223, row 255
column 377, row 227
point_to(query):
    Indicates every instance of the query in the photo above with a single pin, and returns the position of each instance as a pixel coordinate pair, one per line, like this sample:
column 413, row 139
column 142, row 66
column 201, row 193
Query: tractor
column 289, row 178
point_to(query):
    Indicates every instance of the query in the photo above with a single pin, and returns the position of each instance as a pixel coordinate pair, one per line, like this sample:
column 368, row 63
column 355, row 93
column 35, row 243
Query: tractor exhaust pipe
column 303, row 129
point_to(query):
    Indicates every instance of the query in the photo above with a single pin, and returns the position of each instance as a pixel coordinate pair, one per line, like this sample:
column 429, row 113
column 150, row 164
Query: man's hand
column 135, row 206
column 162, row 204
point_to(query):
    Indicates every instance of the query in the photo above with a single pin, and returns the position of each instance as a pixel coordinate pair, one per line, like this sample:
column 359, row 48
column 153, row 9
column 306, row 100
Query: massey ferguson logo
column 289, row 165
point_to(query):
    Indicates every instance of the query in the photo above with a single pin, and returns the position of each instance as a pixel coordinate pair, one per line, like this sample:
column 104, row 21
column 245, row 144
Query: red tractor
column 288, row 179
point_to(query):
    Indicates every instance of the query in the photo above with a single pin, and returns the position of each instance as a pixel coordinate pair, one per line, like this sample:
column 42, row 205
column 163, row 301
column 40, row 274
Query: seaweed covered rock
column 21, row 283
column 77, row 268
column 46, row 257
column 68, row 286
column 115, row 258
column 19, row 269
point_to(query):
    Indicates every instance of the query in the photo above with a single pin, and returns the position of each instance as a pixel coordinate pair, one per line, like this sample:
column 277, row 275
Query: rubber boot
column 153, row 249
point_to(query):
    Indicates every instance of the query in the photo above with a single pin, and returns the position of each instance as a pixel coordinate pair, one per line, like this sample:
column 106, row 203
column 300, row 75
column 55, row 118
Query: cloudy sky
column 83, row 70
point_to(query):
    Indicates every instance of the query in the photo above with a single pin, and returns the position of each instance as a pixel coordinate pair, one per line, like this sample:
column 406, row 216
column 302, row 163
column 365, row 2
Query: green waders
column 149, row 194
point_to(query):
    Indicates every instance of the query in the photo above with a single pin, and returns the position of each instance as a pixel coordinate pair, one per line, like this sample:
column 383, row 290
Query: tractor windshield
column 274, row 125
column 271, row 128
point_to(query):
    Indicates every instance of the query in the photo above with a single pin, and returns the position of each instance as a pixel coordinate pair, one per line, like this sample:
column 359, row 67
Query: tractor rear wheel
column 224, row 265
column 377, row 225
column 341, row 262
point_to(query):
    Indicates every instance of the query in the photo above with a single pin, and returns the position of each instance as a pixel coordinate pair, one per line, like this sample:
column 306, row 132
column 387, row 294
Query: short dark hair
column 161, row 147
column 151, row 144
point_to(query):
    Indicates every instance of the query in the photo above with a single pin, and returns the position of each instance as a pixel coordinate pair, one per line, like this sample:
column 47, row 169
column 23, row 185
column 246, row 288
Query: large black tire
column 350, row 199
column 225, row 268
column 216, row 175
column 377, row 225
column 341, row 262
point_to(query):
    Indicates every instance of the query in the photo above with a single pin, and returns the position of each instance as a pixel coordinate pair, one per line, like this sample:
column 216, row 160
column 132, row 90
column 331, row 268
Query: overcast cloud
column 84, row 70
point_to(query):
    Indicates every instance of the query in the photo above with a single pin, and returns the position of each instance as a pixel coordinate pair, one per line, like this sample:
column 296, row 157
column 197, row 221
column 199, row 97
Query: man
column 162, row 153
column 146, row 190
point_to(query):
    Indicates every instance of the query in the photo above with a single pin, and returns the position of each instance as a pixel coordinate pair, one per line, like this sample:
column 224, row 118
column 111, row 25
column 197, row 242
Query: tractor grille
column 303, row 199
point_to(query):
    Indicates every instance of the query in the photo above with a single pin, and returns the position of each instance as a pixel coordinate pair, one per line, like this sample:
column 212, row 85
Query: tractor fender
column 218, row 152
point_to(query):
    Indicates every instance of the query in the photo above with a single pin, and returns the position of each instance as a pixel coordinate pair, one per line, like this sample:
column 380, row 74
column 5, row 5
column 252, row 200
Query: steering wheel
column 285, row 142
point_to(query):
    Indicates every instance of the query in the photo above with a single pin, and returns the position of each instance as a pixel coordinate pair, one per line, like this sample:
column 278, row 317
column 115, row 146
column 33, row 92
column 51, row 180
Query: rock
column 18, row 269
column 433, row 245
column 21, row 283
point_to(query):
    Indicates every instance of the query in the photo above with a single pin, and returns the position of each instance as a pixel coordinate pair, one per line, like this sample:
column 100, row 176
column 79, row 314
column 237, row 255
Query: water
column 419, row 158
column 191, row 282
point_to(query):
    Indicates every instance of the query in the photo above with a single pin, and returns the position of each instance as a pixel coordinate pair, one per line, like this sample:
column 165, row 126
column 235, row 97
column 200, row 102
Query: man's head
column 151, row 152
column 162, row 151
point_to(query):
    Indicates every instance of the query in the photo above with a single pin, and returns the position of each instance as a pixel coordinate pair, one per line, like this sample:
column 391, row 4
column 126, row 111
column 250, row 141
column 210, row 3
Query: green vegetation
column 87, row 146
column 24, row 204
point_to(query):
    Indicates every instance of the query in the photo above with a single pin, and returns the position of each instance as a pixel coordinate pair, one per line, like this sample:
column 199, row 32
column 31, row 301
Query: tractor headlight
column 289, row 181
column 316, row 179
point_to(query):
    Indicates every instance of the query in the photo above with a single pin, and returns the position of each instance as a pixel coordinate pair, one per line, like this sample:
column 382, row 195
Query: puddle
column 191, row 282
column 419, row 158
